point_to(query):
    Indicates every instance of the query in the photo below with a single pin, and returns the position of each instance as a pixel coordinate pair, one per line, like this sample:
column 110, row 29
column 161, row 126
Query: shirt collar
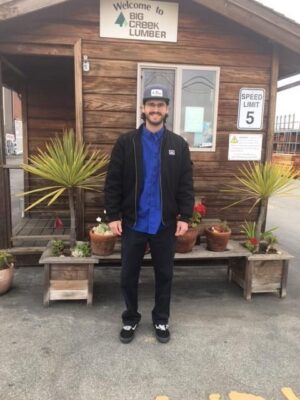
column 156, row 136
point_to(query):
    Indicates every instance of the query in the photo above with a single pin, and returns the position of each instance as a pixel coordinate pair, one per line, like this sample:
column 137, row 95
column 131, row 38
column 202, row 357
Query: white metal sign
column 251, row 109
column 245, row 147
column 139, row 20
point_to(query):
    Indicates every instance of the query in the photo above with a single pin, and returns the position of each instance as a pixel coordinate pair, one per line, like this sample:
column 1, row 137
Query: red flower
column 253, row 241
column 58, row 223
column 200, row 208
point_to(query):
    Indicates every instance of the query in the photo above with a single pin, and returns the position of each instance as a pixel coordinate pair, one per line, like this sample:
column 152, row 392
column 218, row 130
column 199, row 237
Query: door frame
column 5, row 205
column 5, row 210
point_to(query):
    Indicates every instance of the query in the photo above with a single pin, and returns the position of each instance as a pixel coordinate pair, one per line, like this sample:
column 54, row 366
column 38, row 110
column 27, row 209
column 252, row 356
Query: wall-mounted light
column 85, row 64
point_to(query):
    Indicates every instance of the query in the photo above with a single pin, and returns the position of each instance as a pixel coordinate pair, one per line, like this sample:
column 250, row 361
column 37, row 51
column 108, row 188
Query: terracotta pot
column 6, row 278
column 201, row 229
column 185, row 243
column 102, row 245
column 217, row 241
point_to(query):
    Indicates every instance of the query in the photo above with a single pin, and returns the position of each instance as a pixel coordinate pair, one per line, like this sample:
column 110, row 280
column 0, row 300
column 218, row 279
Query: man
column 149, row 199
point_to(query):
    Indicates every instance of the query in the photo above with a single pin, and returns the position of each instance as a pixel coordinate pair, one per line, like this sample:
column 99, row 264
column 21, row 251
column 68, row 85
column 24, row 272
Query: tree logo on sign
column 121, row 20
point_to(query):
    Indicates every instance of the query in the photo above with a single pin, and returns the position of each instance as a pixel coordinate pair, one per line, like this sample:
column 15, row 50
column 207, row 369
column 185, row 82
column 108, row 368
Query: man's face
column 155, row 111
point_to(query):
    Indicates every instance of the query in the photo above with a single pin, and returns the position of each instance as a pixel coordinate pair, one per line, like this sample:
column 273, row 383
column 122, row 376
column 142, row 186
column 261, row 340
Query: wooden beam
column 79, row 130
column 36, row 49
column 15, row 8
column 288, row 86
column 78, row 89
column 259, row 19
column 12, row 67
column 272, row 104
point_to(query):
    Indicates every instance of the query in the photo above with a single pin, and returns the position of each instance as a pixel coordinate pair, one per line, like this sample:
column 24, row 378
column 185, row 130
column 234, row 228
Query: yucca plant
column 260, row 181
column 68, row 164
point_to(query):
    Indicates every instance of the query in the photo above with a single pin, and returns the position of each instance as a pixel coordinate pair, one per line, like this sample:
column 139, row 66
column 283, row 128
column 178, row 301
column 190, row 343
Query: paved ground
column 220, row 343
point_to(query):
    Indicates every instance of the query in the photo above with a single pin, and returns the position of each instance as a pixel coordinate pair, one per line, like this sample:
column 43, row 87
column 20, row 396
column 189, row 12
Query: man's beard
column 158, row 122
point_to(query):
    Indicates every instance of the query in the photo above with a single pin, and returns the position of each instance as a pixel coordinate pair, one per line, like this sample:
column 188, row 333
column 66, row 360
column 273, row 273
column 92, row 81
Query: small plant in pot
column 186, row 242
column 6, row 271
column 267, row 242
column 198, row 213
column 65, row 165
column 80, row 249
column 102, row 239
column 259, row 182
column 217, row 236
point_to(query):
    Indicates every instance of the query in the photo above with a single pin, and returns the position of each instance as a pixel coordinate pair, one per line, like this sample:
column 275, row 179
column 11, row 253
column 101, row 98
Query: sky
column 288, row 101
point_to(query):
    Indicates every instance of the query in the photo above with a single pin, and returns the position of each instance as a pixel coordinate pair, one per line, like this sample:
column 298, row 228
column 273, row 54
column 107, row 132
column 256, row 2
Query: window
column 193, row 100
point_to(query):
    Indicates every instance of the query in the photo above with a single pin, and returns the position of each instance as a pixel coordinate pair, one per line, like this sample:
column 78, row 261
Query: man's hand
column 182, row 227
column 116, row 227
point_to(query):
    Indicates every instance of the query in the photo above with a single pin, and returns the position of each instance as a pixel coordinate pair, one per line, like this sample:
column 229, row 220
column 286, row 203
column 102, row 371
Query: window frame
column 179, row 68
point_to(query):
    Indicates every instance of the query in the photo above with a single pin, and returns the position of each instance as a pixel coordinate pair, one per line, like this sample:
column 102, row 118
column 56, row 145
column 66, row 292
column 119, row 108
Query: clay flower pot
column 6, row 278
column 185, row 243
column 216, row 239
column 102, row 245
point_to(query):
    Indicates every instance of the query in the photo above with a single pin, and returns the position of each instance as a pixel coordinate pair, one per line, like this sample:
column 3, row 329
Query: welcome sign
column 139, row 20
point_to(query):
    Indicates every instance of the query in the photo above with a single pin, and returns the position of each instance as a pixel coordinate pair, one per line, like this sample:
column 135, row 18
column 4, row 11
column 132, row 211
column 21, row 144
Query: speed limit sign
column 251, row 109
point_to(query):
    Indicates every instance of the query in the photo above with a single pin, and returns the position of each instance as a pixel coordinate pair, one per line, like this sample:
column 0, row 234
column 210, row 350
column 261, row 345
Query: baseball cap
column 156, row 92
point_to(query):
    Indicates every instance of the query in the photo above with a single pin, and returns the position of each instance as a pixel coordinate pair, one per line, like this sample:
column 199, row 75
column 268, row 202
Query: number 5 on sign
column 251, row 109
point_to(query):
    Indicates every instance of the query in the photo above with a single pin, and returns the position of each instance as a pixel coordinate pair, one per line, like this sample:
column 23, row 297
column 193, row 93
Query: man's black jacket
column 124, row 179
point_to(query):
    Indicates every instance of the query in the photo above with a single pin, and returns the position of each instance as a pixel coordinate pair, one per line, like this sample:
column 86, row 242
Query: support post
column 79, row 132
column 5, row 213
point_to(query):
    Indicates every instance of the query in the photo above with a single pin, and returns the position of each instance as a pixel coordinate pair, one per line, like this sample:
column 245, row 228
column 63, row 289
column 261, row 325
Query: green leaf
column 68, row 164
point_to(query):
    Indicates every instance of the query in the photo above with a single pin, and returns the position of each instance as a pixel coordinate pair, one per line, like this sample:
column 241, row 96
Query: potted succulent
column 102, row 239
column 6, row 271
column 80, row 249
column 217, row 236
column 186, row 242
column 267, row 241
column 268, row 265
column 68, row 165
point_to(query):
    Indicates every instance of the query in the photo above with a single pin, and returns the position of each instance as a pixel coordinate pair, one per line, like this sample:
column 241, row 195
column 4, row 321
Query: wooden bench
column 67, row 282
column 254, row 273
column 235, row 251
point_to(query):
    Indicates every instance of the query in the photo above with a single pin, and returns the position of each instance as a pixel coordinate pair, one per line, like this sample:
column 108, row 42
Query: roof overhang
column 266, row 22
column 15, row 8
column 251, row 14
column 259, row 19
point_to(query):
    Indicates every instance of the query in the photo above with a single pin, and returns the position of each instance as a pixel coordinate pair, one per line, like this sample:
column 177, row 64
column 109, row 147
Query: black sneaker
column 162, row 332
column 127, row 333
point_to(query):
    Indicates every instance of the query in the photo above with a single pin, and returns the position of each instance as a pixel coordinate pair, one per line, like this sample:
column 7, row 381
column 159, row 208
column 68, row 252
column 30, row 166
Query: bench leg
column 229, row 271
column 284, row 277
column 248, row 280
column 46, row 285
column 90, row 284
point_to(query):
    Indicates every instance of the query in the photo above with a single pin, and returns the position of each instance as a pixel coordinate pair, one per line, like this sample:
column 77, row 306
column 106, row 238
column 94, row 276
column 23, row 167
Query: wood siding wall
column 109, row 89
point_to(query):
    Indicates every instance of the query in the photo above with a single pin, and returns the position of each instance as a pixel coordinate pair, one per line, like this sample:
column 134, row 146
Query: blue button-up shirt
column 149, row 206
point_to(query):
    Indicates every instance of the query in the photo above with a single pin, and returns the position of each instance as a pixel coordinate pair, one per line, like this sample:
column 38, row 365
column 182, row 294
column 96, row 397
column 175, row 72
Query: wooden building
column 69, row 74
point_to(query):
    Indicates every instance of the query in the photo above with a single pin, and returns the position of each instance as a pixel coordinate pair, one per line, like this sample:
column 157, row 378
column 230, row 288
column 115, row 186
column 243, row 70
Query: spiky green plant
column 260, row 181
column 68, row 164
column 5, row 259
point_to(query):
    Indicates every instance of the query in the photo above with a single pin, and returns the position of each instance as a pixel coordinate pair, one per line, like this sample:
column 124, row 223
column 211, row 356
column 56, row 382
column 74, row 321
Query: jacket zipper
column 161, row 199
column 136, row 179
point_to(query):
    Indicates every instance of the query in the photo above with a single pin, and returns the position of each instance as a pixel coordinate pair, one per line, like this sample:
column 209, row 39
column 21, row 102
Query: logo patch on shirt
column 171, row 152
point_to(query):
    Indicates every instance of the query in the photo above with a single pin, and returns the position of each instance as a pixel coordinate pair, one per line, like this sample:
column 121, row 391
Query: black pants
column 162, row 247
